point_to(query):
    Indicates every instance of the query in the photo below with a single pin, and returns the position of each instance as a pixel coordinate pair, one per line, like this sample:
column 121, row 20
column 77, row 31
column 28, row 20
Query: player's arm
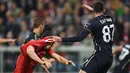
column 31, row 53
column 83, row 34
column 62, row 59
column 47, row 60
column 87, row 7
column 7, row 40
column 31, row 50
column 50, row 60
column 118, row 49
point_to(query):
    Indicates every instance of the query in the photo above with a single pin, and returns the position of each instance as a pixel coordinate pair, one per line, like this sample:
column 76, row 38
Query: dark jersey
column 31, row 36
column 125, row 53
column 102, row 29
column 124, row 57
column 124, row 60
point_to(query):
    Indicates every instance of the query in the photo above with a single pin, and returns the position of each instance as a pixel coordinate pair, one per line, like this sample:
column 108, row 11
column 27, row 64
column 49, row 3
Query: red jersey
column 39, row 46
column 24, row 63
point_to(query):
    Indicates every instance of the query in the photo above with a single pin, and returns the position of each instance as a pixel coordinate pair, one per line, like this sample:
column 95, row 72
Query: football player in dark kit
column 102, row 30
column 123, row 63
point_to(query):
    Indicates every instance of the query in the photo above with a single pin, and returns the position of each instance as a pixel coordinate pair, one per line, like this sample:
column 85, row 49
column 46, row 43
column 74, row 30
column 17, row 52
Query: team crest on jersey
column 88, row 24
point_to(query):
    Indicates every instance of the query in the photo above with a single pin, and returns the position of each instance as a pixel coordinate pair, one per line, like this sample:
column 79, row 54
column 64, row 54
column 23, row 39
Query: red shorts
column 24, row 65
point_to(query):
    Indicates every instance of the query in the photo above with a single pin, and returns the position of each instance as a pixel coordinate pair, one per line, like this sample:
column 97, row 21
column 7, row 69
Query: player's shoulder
column 90, row 22
column 31, row 36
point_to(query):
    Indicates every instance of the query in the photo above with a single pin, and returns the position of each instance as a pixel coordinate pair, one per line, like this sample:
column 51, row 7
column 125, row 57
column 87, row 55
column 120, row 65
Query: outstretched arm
column 7, row 40
column 83, row 34
column 62, row 59
column 49, row 60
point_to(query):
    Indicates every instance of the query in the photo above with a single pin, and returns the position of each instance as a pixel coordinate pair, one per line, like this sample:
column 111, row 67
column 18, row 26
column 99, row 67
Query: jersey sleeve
column 83, row 34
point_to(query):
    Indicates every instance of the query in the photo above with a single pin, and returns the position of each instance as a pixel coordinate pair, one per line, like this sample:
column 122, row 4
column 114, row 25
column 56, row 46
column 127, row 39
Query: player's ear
column 40, row 26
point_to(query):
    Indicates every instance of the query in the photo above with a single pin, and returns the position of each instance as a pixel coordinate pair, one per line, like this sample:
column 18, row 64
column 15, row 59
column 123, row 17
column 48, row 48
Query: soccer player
column 102, row 30
column 34, row 35
column 124, row 58
column 33, row 51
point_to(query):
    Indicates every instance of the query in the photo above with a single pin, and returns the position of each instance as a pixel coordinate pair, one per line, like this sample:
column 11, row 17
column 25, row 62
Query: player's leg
column 90, row 65
column 104, row 64
column 81, row 71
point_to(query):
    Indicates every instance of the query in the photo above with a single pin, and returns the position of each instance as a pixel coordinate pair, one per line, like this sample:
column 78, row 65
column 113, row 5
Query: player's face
column 41, row 28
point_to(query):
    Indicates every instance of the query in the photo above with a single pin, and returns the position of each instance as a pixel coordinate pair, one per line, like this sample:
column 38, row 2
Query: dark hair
column 98, row 6
column 38, row 21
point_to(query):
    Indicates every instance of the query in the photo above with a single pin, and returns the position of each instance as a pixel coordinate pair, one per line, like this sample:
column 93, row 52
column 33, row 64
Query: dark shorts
column 97, row 64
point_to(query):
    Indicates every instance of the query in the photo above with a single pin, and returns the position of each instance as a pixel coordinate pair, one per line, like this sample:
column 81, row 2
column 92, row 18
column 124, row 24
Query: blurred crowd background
column 64, row 18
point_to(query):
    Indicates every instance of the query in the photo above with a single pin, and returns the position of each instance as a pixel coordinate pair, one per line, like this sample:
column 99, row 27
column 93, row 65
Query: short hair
column 98, row 6
column 38, row 21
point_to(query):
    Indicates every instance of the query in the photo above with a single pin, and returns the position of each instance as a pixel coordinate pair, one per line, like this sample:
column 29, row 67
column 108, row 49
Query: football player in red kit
column 32, row 53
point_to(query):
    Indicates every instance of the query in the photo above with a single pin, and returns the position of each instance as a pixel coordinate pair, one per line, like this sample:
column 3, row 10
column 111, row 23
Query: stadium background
column 64, row 18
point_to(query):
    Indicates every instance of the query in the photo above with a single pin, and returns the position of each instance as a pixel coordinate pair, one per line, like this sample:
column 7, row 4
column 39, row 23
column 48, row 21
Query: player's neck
column 98, row 14
column 37, row 32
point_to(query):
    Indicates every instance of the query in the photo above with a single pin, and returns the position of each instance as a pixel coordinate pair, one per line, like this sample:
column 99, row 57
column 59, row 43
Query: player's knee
column 81, row 71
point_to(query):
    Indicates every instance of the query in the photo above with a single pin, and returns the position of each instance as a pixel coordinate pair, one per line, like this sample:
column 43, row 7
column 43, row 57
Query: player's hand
column 50, row 40
column 55, row 38
column 87, row 7
column 52, row 60
column 46, row 64
column 45, row 68
column 11, row 41
column 70, row 62
column 120, row 48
